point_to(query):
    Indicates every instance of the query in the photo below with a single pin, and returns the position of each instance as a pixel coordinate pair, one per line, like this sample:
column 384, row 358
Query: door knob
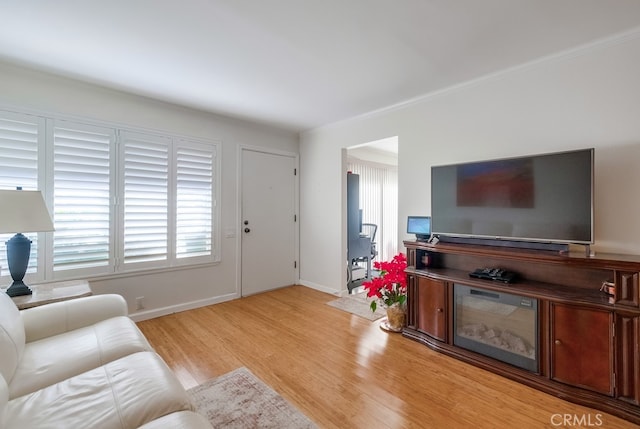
column 247, row 230
column 246, row 222
column 558, row 342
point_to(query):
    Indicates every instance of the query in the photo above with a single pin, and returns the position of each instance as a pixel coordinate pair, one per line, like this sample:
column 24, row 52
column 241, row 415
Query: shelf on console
column 599, row 260
column 534, row 289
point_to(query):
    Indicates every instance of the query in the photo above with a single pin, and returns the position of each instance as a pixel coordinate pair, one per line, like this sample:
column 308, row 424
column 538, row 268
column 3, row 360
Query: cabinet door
column 628, row 356
column 431, row 307
column 582, row 347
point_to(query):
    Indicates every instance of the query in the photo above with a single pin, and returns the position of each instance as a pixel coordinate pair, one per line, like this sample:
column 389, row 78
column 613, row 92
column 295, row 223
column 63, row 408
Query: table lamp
column 21, row 211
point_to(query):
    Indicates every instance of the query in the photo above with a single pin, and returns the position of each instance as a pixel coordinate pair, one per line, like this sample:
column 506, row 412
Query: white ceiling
column 297, row 64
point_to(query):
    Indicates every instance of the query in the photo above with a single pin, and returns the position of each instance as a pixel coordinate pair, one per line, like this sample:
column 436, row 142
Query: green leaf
column 373, row 306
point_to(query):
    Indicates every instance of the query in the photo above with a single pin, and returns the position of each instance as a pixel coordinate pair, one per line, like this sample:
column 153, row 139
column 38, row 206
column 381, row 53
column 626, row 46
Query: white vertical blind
column 145, row 207
column 389, row 243
column 82, row 196
column 379, row 204
column 19, row 144
column 195, row 170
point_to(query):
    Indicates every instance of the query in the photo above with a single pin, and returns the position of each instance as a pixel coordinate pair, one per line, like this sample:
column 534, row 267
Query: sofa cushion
column 12, row 337
column 180, row 420
column 53, row 359
column 125, row 393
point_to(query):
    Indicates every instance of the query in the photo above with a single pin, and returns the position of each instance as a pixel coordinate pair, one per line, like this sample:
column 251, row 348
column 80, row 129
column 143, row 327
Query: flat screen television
column 539, row 198
column 420, row 226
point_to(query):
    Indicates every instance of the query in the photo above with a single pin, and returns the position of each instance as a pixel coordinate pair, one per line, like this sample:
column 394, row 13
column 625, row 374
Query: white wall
column 586, row 98
column 172, row 290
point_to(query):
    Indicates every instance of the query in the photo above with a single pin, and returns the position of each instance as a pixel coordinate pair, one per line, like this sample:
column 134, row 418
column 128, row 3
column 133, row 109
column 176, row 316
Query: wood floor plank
column 343, row 371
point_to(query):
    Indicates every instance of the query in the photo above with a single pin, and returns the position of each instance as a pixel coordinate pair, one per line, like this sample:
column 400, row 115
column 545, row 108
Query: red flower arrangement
column 391, row 286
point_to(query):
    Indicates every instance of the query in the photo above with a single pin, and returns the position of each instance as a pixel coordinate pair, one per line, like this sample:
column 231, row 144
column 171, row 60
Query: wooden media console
column 586, row 342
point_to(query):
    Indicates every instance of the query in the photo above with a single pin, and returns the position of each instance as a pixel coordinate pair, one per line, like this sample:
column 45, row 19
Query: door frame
column 296, row 205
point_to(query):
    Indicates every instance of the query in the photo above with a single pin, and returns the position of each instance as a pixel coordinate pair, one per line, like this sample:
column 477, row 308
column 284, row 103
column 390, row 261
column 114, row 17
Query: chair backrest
column 12, row 337
column 370, row 230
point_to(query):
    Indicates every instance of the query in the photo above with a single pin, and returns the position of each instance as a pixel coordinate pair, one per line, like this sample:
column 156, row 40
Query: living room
column 585, row 96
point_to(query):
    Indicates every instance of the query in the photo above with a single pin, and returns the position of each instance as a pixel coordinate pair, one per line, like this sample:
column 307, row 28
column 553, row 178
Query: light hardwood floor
column 343, row 371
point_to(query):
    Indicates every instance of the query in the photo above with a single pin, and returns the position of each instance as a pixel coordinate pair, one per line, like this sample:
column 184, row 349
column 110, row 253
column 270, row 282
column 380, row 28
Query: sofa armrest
column 179, row 420
column 59, row 317
column 4, row 399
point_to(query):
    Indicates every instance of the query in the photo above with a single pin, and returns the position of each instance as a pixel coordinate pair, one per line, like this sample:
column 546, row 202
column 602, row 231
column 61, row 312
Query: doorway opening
column 376, row 164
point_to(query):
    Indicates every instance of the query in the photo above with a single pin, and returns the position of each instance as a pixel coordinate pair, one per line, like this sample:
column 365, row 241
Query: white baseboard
column 319, row 287
column 157, row 312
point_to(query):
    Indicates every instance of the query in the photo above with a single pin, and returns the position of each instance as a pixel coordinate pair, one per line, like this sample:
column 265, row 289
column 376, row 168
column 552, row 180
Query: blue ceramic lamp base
column 18, row 250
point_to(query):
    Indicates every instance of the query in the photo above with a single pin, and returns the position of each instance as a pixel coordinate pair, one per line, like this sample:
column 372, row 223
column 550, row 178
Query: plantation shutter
column 82, row 196
column 195, row 168
column 19, row 143
column 121, row 200
column 145, row 190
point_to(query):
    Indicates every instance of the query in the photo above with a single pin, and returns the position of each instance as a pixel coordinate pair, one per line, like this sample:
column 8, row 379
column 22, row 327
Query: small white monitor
column 420, row 226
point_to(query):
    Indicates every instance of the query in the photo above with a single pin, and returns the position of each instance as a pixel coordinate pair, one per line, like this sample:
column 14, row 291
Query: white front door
column 268, row 222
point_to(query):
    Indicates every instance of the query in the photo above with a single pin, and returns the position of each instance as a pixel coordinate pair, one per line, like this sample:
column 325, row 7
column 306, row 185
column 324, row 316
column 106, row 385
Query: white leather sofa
column 84, row 363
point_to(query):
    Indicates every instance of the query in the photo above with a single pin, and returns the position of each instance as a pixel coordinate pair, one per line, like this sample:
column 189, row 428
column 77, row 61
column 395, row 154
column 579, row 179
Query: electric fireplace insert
column 499, row 325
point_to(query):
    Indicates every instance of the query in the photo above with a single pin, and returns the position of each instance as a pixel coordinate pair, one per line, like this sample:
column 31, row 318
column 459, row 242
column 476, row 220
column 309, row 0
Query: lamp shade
column 23, row 211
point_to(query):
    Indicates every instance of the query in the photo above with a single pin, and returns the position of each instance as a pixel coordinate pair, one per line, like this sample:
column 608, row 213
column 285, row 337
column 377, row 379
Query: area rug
column 359, row 305
column 240, row 400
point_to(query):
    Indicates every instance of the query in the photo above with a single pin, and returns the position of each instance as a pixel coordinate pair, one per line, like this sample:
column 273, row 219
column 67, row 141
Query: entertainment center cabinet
column 561, row 334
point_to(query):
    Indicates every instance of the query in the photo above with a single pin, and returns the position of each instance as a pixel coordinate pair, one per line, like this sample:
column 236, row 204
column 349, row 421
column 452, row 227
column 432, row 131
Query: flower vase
column 396, row 316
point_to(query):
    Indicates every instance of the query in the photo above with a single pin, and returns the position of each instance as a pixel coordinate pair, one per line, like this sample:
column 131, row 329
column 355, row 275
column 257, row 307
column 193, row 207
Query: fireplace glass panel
column 499, row 325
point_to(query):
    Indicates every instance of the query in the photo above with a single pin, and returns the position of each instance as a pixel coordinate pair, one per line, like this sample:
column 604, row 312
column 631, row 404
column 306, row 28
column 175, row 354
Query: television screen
column 420, row 226
column 547, row 198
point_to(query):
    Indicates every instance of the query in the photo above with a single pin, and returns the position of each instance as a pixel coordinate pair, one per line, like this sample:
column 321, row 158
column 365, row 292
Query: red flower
column 391, row 286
